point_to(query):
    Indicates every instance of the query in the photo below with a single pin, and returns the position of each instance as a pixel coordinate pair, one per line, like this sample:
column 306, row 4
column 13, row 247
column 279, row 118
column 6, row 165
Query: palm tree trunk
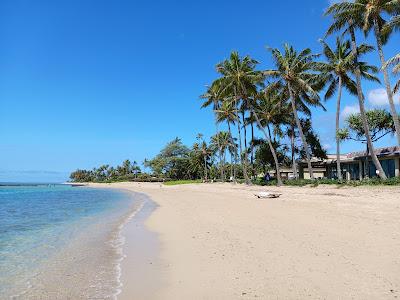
column 271, row 147
column 205, row 167
column 242, row 155
column 221, row 165
column 252, row 150
column 393, row 111
column 294, row 166
column 303, row 138
column 233, row 166
column 362, row 107
column 338, row 168
column 244, row 130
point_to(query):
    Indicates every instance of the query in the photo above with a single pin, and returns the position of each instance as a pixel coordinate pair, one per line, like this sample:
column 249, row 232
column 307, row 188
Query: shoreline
column 217, row 241
column 138, row 247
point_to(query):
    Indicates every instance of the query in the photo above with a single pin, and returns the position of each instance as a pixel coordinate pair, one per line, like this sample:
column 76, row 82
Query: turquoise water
column 59, row 241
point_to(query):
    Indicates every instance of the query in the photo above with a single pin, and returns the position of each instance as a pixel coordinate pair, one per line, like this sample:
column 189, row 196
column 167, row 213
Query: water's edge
column 138, row 273
column 138, row 246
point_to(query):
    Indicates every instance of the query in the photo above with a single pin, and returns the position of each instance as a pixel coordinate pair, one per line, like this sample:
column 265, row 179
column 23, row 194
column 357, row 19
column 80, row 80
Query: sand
column 218, row 241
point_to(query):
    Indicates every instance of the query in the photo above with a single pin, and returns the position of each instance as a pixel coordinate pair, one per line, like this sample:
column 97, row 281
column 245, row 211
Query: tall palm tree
column 213, row 96
column 240, row 78
column 227, row 112
column 337, row 69
column 372, row 12
column 342, row 20
column 296, row 73
column 251, row 120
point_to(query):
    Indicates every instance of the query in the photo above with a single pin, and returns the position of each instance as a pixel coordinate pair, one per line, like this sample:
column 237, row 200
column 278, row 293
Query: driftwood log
column 267, row 195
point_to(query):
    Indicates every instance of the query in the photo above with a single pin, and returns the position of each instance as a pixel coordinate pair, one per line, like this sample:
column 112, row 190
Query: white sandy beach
column 217, row 241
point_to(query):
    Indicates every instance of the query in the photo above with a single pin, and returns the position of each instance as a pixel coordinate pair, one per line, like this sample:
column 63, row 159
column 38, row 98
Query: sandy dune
column 218, row 241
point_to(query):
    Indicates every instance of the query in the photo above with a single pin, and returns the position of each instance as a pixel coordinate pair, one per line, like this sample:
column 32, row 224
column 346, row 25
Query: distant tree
column 222, row 141
column 380, row 124
column 264, row 158
column 172, row 161
column 313, row 141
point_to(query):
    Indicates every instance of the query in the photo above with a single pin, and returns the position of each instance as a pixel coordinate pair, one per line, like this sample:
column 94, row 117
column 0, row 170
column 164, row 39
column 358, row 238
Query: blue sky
column 86, row 82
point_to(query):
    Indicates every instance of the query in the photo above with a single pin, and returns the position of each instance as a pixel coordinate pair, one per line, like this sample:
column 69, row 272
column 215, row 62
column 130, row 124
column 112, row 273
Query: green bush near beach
column 177, row 182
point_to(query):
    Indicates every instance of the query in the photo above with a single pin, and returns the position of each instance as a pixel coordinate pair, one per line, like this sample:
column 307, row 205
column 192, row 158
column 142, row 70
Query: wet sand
column 217, row 241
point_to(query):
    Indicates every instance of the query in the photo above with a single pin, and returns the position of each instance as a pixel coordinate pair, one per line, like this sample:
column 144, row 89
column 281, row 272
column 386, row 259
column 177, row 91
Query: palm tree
column 395, row 62
column 267, row 110
column 227, row 112
column 240, row 78
column 371, row 13
column 343, row 20
column 296, row 73
column 213, row 97
column 205, row 153
column 222, row 141
column 337, row 70
column 251, row 120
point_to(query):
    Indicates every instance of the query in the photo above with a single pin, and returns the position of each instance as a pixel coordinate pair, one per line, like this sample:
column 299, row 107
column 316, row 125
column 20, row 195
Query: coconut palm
column 205, row 152
column 344, row 20
column 251, row 120
column 267, row 111
column 395, row 62
column 227, row 112
column 213, row 97
column 296, row 73
column 372, row 12
column 222, row 141
column 240, row 79
column 337, row 69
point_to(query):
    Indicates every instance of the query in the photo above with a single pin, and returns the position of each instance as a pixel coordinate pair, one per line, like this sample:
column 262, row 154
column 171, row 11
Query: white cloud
column 378, row 97
column 349, row 110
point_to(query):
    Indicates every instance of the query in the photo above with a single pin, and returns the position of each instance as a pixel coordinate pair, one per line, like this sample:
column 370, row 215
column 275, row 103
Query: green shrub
column 177, row 182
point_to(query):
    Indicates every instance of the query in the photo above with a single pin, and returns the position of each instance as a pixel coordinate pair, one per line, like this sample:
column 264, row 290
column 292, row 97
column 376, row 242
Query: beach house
column 354, row 165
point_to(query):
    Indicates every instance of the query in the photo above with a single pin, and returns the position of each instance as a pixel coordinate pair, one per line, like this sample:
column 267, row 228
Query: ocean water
column 62, row 242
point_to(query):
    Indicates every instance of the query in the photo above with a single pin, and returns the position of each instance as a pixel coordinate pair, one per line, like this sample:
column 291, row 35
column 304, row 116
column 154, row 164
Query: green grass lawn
column 176, row 182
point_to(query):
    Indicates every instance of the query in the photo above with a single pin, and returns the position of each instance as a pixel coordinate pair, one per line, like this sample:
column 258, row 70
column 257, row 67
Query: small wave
column 118, row 241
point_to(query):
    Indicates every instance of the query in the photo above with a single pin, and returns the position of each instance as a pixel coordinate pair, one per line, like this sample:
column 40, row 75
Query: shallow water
column 59, row 242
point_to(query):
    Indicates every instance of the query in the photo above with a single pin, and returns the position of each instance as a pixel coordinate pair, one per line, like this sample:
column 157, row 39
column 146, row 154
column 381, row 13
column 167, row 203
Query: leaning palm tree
column 296, row 73
column 337, row 69
column 372, row 13
column 343, row 20
column 267, row 111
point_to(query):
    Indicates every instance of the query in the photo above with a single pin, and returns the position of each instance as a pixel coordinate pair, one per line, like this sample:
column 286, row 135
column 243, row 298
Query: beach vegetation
column 278, row 101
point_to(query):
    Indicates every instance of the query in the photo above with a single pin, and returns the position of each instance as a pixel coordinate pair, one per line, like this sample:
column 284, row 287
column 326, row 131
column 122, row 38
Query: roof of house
column 380, row 152
column 395, row 150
